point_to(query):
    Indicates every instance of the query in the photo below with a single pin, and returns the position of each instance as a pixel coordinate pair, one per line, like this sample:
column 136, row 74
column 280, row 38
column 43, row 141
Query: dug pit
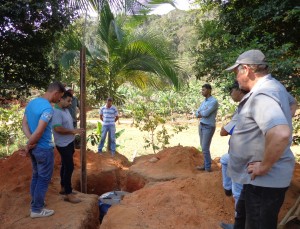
column 165, row 191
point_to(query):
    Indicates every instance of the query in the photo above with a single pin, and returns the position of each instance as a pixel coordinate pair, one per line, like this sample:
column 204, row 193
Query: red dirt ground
column 166, row 192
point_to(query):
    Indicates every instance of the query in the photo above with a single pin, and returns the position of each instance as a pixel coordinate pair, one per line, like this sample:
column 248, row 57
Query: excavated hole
column 108, row 181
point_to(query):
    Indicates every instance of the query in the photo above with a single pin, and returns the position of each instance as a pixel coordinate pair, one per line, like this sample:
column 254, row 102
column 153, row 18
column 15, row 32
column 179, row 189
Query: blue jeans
column 227, row 182
column 258, row 207
column 206, row 133
column 111, row 129
column 42, row 169
column 67, row 166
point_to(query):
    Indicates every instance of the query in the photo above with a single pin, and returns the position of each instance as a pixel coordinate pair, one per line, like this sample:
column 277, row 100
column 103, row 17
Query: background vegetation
column 148, row 63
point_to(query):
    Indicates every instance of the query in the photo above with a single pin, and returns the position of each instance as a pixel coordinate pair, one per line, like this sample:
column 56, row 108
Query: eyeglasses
column 238, row 68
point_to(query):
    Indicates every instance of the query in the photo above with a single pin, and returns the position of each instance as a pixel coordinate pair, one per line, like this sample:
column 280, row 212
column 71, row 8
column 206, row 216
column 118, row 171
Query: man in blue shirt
column 207, row 113
column 36, row 126
column 109, row 115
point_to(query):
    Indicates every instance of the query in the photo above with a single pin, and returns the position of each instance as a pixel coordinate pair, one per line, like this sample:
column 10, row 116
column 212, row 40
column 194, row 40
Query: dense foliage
column 236, row 26
column 11, row 137
column 28, row 30
column 115, row 57
column 178, row 28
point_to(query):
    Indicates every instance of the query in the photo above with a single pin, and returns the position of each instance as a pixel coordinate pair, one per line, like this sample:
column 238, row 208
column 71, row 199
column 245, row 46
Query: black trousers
column 258, row 207
column 67, row 166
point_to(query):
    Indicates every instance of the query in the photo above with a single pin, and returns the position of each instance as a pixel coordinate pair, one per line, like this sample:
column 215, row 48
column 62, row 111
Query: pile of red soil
column 166, row 192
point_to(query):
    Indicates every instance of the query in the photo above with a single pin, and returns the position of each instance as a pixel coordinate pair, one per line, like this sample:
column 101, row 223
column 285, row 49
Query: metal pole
column 83, row 120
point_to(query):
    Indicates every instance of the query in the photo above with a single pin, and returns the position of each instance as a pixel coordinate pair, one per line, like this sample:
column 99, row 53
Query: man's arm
column 293, row 108
column 197, row 113
column 65, row 131
column 37, row 134
column 101, row 117
column 274, row 125
column 116, row 114
column 293, row 104
column 229, row 127
column 223, row 132
column 34, row 137
column 211, row 107
column 26, row 130
column 25, row 127
column 277, row 139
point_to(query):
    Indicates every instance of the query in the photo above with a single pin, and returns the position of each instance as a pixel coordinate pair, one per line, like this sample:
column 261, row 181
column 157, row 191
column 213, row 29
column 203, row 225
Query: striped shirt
column 109, row 115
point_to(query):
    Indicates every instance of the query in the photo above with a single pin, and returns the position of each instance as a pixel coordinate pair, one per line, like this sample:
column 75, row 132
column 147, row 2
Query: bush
column 11, row 135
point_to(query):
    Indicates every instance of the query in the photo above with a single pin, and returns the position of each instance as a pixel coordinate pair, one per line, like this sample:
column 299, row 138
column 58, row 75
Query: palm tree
column 85, row 5
column 115, row 58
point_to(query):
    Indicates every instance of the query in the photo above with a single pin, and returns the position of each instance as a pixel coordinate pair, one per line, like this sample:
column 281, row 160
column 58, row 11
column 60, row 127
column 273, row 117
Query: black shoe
column 226, row 226
column 228, row 192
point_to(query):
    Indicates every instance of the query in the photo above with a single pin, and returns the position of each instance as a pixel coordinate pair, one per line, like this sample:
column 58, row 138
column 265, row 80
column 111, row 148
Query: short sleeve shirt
column 36, row 110
column 109, row 115
column 62, row 117
column 229, row 126
column 264, row 107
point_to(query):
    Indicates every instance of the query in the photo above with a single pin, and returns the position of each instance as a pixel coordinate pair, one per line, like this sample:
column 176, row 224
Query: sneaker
column 226, row 226
column 228, row 192
column 44, row 213
column 31, row 203
column 200, row 167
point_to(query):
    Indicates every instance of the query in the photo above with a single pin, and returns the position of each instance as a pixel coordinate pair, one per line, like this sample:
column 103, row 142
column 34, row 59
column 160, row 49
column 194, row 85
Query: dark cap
column 109, row 99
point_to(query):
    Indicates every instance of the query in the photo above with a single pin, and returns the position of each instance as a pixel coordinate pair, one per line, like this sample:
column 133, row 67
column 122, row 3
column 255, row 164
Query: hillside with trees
column 178, row 27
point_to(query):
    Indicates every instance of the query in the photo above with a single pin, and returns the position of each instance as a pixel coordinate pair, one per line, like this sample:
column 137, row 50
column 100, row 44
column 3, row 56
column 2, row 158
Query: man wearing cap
column 207, row 113
column 73, row 107
column 231, row 188
column 260, row 154
column 108, row 115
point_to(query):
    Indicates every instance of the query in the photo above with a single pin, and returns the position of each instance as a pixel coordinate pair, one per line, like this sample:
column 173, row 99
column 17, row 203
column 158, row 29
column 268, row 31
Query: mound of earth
column 165, row 192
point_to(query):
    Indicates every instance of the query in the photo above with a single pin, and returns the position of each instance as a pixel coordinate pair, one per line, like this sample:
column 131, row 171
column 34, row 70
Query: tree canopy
column 28, row 30
column 116, row 57
column 269, row 25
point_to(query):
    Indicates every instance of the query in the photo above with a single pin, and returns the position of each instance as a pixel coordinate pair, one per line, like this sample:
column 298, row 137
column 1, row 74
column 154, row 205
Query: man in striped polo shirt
column 108, row 115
